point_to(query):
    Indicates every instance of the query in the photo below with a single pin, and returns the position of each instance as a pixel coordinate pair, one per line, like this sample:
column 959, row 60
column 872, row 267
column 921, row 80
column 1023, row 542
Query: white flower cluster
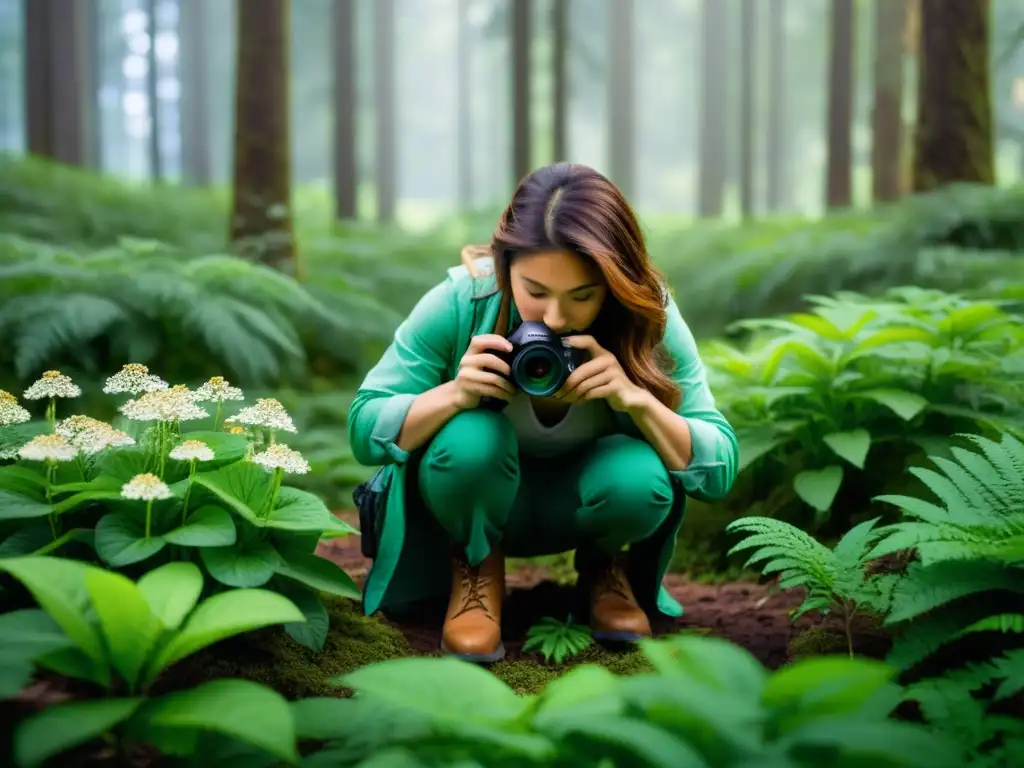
column 279, row 456
column 133, row 379
column 166, row 405
column 52, row 384
column 90, row 436
column 10, row 411
column 267, row 412
column 48, row 448
column 217, row 390
column 191, row 450
column 146, row 487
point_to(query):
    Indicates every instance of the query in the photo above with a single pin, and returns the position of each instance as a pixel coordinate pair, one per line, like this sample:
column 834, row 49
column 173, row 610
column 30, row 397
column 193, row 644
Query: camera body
column 540, row 363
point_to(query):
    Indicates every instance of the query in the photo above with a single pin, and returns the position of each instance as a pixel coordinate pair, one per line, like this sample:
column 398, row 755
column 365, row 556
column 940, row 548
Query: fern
column 557, row 641
column 834, row 579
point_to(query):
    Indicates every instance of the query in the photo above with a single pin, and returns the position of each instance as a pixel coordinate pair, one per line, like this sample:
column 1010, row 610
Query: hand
column 480, row 372
column 600, row 378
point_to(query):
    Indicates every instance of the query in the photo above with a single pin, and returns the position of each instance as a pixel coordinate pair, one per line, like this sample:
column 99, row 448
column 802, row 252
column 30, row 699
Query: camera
column 540, row 363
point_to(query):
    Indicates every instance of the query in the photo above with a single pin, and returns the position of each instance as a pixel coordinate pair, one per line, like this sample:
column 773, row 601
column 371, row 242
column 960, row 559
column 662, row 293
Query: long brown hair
column 571, row 207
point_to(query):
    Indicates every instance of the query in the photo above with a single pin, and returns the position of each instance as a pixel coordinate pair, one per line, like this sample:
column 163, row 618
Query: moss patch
column 526, row 676
column 269, row 656
column 816, row 641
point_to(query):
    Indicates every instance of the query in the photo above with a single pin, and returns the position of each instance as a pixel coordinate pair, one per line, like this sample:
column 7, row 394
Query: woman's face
column 558, row 288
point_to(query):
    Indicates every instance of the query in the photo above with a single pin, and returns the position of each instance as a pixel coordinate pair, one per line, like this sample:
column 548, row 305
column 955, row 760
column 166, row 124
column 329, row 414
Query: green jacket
column 412, row 561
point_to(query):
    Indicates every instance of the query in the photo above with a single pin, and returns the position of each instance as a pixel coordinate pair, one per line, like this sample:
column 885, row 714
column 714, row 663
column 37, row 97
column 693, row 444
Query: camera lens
column 539, row 372
column 538, row 368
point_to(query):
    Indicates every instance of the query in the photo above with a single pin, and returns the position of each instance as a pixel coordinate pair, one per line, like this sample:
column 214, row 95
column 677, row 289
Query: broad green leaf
column 84, row 497
column 582, row 685
column 172, row 591
column 852, row 446
column 649, row 744
column 208, row 526
column 227, row 448
column 321, row 718
column 891, row 335
column 60, row 727
column 904, row 404
column 16, row 506
column 225, row 615
column 121, row 540
column 249, row 563
column 58, row 586
column 298, row 510
column 24, row 480
column 754, row 444
column 238, row 709
column 122, row 465
column 884, row 742
column 15, row 676
column 126, row 621
column 443, row 688
column 27, row 634
column 311, row 633
column 27, row 539
column 818, row 487
column 242, row 486
column 820, row 326
column 100, row 483
column 710, row 660
column 320, row 574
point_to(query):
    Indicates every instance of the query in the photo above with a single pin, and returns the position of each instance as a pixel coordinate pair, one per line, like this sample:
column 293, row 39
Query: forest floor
column 755, row 616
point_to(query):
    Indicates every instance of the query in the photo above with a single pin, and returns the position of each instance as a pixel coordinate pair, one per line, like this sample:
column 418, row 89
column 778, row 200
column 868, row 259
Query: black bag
column 368, row 497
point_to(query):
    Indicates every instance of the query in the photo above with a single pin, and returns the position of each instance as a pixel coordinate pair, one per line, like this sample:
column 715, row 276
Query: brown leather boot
column 614, row 611
column 472, row 625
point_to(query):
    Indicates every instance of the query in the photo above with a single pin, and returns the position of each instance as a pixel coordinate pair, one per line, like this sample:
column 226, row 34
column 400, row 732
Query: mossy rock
column 816, row 641
column 270, row 656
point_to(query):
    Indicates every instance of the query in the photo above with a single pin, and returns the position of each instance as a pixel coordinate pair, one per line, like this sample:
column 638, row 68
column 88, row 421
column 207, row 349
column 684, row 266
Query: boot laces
column 612, row 578
column 472, row 582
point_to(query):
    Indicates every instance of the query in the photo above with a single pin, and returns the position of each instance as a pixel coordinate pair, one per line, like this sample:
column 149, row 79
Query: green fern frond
column 1004, row 622
column 927, row 587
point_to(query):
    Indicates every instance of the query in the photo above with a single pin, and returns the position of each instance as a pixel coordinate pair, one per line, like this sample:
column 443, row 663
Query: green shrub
column 830, row 405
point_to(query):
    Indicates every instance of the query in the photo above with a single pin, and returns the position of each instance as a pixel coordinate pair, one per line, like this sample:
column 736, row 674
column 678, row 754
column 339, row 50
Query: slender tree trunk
column 384, row 76
column 953, row 141
column 839, row 172
column 195, row 108
column 156, row 165
column 60, row 78
column 560, row 76
column 887, row 114
column 464, row 122
column 261, row 222
column 714, row 108
column 521, row 33
column 621, row 98
column 776, row 160
column 346, row 170
column 748, row 105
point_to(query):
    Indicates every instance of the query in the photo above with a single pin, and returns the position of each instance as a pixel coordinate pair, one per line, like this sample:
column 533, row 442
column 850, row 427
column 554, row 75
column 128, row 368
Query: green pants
column 597, row 499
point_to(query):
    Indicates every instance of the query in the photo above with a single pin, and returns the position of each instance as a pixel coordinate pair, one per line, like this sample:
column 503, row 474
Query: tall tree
column 385, row 103
column 887, row 112
column 521, row 28
column 776, row 165
column 261, row 221
column 714, row 107
column 560, row 77
column 156, row 165
column 748, row 104
column 60, row 109
column 196, row 161
column 839, row 168
column 464, row 105
column 621, row 99
column 343, row 50
column 953, row 139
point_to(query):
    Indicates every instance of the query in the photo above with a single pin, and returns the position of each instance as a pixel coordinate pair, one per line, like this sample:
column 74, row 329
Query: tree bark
column 346, row 170
column 195, row 108
column 464, row 107
column 560, row 77
column 385, row 101
column 839, row 178
column 714, row 107
column 261, row 222
column 156, row 160
column 953, row 140
column 621, row 90
column 748, row 105
column 521, row 28
column 776, row 164
column 887, row 112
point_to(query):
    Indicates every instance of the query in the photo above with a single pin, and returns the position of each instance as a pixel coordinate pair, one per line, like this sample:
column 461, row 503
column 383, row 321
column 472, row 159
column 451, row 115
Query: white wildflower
column 267, row 412
column 191, row 450
column 146, row 487
column 217, row 390
column 90, row 436
column 133, row 379
column 10, row 411
column 8, row 453
column 280, row 456
column 174, row 404
column 48, row 448
column 52, row 384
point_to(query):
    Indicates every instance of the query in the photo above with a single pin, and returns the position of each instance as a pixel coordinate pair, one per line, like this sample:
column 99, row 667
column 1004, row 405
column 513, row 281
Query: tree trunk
column 714, row 108
column 953, row 140
column 60, row 104
column 384, row 100
column 887, row 113
column 748, row 104
column 560, row 77
column 839, row 178
column 261, row 221
column 156, row 164
column 521, row 33
column 622, row 108
column 776, row 150
column 195, row 108
column 343, row 50
column 464, row 106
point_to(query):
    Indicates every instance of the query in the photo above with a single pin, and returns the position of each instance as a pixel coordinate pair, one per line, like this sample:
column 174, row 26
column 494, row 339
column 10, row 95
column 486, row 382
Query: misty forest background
column 262, row 189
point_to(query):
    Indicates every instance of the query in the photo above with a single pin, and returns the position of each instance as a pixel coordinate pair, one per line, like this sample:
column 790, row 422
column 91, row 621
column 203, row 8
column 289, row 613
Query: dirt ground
column 755, row 616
